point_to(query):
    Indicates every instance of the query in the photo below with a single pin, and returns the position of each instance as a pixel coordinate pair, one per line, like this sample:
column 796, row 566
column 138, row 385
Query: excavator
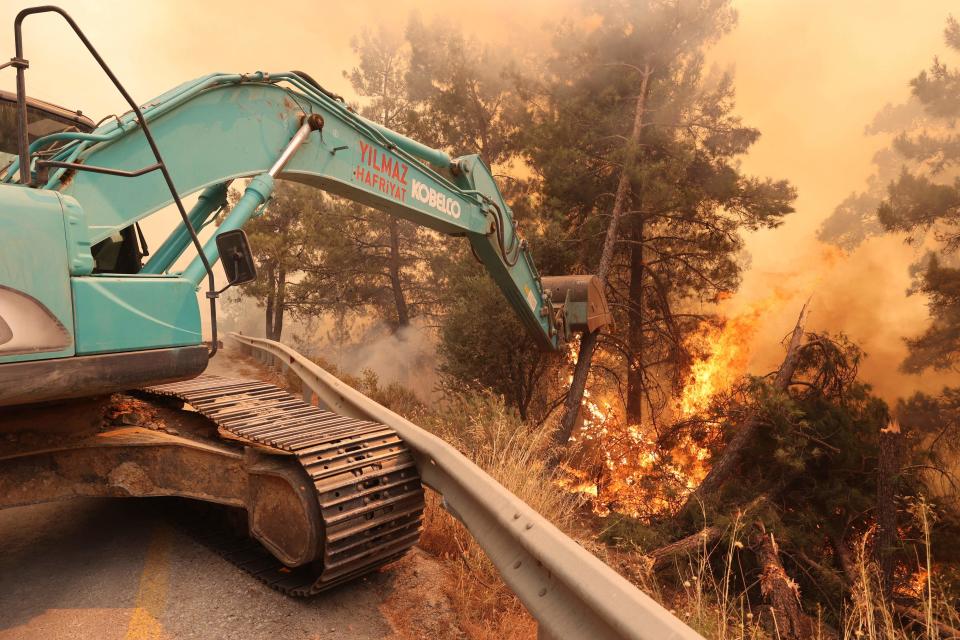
column 102, row 352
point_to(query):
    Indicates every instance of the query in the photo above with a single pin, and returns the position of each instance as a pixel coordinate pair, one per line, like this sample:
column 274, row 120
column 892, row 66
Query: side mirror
column 236, row 257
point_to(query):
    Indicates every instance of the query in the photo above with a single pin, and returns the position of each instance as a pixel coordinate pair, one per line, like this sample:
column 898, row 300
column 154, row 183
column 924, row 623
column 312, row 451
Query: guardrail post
column 307, row 394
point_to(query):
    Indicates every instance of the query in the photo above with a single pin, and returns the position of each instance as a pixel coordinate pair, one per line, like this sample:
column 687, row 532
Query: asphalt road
column 119, row 570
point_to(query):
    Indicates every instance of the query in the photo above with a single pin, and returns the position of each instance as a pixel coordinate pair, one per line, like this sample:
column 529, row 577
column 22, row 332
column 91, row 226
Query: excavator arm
column 223, row 127
column 210, row 132
column 226, row 126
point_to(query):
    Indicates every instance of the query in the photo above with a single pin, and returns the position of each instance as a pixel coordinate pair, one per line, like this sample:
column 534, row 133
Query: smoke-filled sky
column 810, row 75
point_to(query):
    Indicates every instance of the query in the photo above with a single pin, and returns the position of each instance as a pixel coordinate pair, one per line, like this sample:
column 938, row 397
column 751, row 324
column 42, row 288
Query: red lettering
column 373, row 163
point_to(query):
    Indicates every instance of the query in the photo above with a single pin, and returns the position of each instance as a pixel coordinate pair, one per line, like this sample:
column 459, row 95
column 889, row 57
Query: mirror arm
column 213, row 295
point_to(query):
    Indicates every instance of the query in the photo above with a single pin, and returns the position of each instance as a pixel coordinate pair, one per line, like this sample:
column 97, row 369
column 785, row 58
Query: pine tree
column 638, row 145
column 924, row 202
column 388, row 251
column 284, row 239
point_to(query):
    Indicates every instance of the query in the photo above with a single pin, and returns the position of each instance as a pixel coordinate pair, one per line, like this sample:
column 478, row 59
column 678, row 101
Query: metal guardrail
column 570, row 593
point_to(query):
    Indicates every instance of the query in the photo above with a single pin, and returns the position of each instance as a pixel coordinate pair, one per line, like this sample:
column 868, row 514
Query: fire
column 726, row 353
column 632, row 472
column 916, row 585
column 594, row 414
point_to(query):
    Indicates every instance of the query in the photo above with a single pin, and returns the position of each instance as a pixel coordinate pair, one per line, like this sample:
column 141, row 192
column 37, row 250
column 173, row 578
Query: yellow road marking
column 152, row 594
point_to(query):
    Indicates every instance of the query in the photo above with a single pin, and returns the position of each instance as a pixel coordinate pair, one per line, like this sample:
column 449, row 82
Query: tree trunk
column 843, row 558
column 403, row 315
column 705, row 537
column 685, row 546
column 779, row 589
column 728, row 461
column 279, row 303
column 943, row 629
column 888, row 468
column 635, row 328
column 679, row 356
column 588, row 342
column 268, row 329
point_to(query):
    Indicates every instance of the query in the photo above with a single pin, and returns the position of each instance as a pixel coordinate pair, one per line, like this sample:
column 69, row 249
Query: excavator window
column 122, row 252
column 42, row 119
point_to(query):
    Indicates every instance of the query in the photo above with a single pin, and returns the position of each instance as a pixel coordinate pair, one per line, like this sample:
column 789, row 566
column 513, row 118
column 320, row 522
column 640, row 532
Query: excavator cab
column 43, row 119
column 53, row 283
column 124, row 251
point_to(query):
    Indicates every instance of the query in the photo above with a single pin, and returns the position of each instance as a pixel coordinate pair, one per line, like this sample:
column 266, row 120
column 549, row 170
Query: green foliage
column 383, row 61
column 624, row 531
column 939, row 345
column 935, row 421
column 482, row 344
column 286, row 237
column 916, row 204
column 370, row 263
column 464, row 91
column 385, row 258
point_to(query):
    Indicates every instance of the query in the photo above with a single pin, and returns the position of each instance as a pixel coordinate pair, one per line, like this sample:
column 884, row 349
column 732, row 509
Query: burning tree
column 804, row 465
column 636, row 148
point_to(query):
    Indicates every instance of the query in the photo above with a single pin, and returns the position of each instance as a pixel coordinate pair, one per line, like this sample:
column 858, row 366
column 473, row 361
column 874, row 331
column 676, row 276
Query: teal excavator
column 101, row 347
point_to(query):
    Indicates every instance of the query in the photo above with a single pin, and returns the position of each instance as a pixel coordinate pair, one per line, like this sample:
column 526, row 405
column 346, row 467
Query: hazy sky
column 810, row 75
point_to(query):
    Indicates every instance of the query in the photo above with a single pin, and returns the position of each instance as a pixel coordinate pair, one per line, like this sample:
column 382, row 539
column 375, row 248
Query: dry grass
column 515, row 455
column 708, row 603
column 872, row 617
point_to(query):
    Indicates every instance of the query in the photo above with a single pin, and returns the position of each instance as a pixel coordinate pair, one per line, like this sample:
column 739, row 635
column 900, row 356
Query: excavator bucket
column 584, row 303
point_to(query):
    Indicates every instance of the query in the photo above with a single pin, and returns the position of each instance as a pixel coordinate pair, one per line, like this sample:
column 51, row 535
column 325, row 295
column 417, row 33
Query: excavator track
column 365, row 480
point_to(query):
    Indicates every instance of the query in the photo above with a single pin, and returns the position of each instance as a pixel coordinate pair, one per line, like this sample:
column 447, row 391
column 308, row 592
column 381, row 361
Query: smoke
column 810, row 76
column 817, row 94
column 406, row 356
column 862, row 293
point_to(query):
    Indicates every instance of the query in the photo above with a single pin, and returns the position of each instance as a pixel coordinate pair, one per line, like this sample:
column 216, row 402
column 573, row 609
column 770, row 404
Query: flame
column 726, row 353
column 633, row 474
column 594, row 414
